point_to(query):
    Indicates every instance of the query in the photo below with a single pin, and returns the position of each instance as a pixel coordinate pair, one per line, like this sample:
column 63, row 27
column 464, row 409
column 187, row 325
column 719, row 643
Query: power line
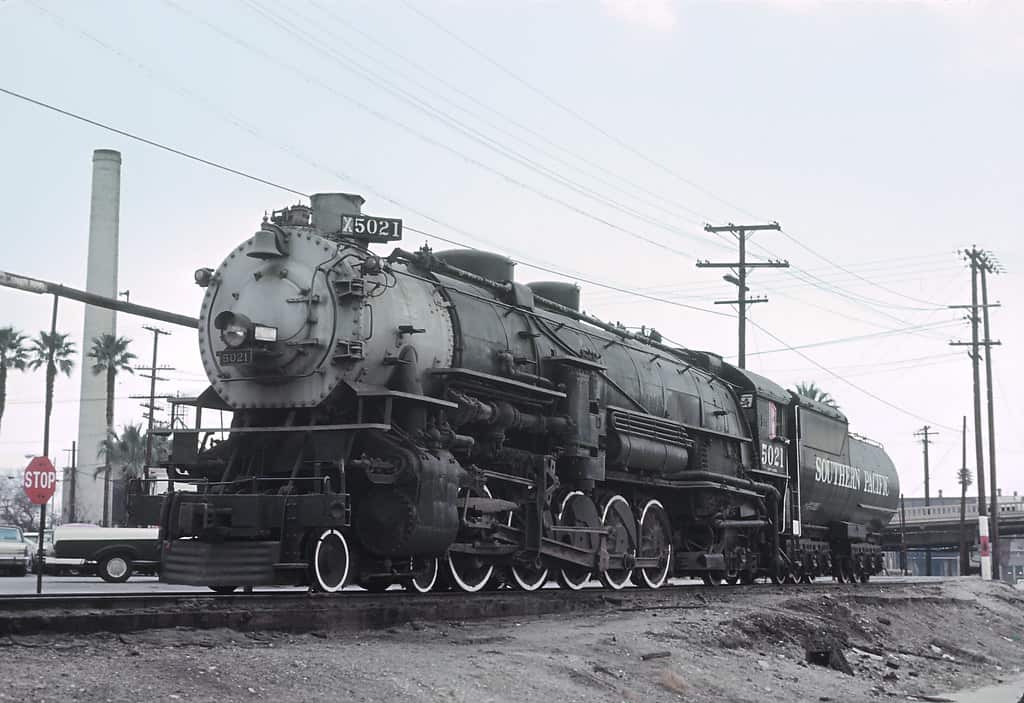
column 853, row 385
column 150, row 142
column 351, row 64
column 814, row 280
column 589, row 281
column 290, row 190
column 306, row 76
column 392, row 51
column 570, row 111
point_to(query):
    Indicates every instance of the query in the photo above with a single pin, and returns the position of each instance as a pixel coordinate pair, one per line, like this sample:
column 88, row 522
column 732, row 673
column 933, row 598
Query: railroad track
column 355, row 610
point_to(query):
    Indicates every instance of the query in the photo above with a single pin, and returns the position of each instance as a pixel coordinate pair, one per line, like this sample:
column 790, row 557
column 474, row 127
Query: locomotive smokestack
column 101, row 278
column 329, row 207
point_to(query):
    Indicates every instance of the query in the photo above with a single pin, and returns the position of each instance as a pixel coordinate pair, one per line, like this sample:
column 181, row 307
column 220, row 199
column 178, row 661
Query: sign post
column 984, row 548
column 39, row 484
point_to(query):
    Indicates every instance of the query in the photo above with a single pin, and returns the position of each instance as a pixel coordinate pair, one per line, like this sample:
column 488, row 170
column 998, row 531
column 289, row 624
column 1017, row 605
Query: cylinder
column 101, row 279
column 329, row 207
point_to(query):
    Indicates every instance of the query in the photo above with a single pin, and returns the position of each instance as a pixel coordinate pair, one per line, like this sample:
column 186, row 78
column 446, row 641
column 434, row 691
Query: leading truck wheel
column 116, row 568
column 331, row 562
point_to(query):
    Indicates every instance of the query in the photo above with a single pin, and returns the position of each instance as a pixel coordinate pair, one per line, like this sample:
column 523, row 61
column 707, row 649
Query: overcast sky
column 594, row 138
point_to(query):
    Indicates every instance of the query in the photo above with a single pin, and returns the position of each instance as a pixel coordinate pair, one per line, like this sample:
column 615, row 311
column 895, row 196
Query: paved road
column 12, row 585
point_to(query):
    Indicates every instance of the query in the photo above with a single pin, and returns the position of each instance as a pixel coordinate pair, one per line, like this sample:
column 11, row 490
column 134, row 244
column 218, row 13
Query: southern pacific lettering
column 852, row 477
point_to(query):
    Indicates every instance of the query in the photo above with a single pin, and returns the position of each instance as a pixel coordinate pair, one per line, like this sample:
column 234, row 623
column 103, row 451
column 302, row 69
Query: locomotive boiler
column 423, row 418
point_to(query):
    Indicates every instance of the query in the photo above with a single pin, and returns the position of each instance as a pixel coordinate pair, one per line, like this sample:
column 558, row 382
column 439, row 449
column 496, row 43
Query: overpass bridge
column 939, row 525
column 930, row 536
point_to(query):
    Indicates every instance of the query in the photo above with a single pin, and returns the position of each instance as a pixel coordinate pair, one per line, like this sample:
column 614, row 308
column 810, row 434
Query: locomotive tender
column 426, row 419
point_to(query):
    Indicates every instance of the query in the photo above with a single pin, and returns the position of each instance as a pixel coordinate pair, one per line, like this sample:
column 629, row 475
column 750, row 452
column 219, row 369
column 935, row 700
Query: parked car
column 14, row 552
column 112, row 553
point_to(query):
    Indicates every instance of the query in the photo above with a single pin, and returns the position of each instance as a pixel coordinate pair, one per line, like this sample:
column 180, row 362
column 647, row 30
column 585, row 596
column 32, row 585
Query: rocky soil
column 871, row 643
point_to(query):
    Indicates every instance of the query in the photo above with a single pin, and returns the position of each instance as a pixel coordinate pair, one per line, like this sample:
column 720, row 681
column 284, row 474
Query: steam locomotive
column 427, row 420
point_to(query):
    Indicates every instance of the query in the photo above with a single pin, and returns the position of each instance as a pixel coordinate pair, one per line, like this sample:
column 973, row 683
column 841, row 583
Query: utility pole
column 975, row 257
column 72, row 515
column 903, row 537
column 739, row 277
column 987, row 265
column 152, row 395
column 965, row 481
column 925, row 433
column 151, row 405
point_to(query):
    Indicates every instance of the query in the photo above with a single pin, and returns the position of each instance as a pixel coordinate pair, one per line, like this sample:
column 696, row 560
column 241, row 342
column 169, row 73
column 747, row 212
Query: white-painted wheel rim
column 117, row 567
column 463, row 585
column 606, row 577
column 663, row 575
column 526, row 585
column 469, row 587
column 320, row 577
column 432, row 570
column 567, row 581
column 519, row 573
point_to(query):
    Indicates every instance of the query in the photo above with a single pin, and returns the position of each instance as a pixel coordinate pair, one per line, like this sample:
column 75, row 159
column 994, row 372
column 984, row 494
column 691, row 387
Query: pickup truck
column 113, row 553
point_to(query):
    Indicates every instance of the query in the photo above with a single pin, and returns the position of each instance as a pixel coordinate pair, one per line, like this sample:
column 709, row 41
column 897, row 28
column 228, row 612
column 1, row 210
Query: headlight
column 203, row 277
column 234, row 335
column 234, row 329
column 262, row 333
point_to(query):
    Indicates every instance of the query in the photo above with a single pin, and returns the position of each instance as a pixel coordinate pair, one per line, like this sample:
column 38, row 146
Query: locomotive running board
column 481, row 377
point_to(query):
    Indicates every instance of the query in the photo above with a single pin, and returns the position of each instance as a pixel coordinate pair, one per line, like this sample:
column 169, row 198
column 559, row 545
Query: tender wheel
column 223, row 590
column 116, row 568
column 577, row 510
column 617, row 515
column 469, row 572
column 655, row 540
column 426, row 579
column 732, row 580
column 332, row 562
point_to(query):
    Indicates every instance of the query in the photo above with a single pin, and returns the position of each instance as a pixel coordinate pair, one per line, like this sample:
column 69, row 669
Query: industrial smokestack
column 101, row 278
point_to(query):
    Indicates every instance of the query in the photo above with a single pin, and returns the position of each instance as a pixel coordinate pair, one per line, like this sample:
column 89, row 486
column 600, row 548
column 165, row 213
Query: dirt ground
column 900, row 644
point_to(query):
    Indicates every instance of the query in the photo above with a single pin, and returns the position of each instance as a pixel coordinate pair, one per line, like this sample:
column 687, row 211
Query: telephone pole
column 739, row 277
column 926, row 433
column 153, row 378
column 988, row 265
column 975, row 257
column 72, row 515
column 965, row 480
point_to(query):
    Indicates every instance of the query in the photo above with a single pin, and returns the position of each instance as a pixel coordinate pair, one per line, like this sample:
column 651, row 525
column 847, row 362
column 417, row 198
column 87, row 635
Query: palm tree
column 110, row 355
column 13, row 355
column 129, row 450
column 55, row 352
column 811, row 390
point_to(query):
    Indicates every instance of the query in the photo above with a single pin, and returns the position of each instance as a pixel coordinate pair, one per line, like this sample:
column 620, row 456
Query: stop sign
column 40, row 480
